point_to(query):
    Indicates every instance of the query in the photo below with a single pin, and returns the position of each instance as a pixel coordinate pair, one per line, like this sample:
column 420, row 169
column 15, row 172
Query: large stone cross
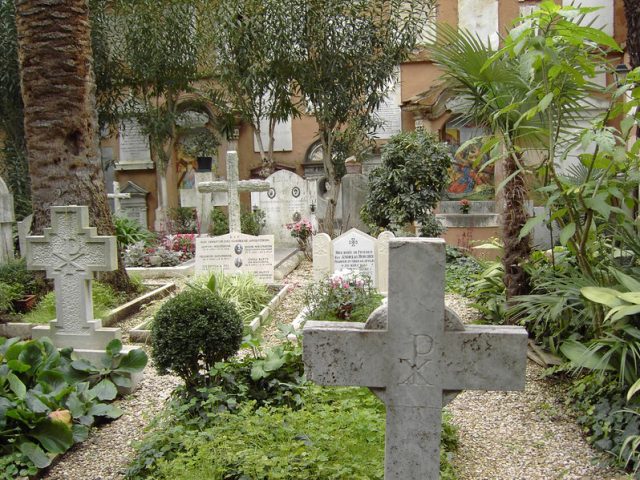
column 416, row 358
column 232, row 185
column 70, row 252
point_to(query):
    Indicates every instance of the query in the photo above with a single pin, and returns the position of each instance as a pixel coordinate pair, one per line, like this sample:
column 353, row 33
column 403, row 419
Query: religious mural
column 468, row 179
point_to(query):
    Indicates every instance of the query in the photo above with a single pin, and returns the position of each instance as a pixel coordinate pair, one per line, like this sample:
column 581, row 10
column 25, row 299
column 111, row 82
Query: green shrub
column 192, row 331
column 247, row 295
column 461, row 270
column 182, row 220
column 15, row 272
column 8, row 293
column 129, row 232
column 104, row 297
column 251, row 222
column 409, row 183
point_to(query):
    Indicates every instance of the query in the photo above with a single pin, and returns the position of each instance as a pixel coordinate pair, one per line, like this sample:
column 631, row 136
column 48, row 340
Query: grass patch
column 337, row 434
column 104, row 297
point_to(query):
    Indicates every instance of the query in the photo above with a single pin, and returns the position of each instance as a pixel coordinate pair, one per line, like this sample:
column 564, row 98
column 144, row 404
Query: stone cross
column 233, row 186
column 70, row 252
column 415, row 358
column 6, row 223
column 117, row 195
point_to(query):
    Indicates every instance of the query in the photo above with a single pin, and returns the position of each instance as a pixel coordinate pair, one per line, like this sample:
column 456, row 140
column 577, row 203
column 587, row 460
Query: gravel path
column 503, row 435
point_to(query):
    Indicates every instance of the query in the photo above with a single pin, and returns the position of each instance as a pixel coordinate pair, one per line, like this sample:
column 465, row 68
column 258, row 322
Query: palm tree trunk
column 516, row 250
column 632, row 13
column 60, row 117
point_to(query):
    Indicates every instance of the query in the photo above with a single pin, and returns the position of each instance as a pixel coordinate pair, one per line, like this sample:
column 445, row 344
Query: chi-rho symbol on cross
column 416, row 359
column 70, row 251
column 233, row 186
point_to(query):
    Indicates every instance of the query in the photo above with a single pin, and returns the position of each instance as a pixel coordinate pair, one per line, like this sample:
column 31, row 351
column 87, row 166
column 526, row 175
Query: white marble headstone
column 235, row 253
column 288, row 199
column 6, row 223
column 353, row 250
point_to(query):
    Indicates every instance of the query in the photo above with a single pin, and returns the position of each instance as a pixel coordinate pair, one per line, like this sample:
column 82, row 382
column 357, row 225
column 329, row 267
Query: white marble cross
column 416, row 359
column 117, row 196
column 233, row 186
column 70, row 252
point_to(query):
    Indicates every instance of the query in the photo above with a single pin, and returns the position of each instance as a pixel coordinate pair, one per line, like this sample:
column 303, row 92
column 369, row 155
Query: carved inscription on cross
column 70, row 251
column 233, row 186
column 417, row 359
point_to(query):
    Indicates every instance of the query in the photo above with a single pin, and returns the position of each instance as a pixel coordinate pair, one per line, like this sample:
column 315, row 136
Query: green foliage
column 607, row 418
column 191, row 332
column 47, row 405
column 9, row 292
column 104, row 298
column 15, row 272
column 182, row 220
column 488, row 293
column 247, row 295
column 251, row 222
column 129, row 232
column 268, row 442
column 343, row 296
column 461, row 269
column 408, row 184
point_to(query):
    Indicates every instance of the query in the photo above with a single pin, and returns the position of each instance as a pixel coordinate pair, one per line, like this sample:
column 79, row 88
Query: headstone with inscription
column 288, row 199
column 353, row 250
column 415, row 355
column 236, row 253
column 134, row 151
column 134, row 207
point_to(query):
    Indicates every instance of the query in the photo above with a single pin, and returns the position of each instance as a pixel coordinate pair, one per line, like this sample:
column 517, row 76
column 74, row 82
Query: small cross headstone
column 6, row 223
column 416, row 360
column 70, row 251
column 116, row 196
column 233, row 186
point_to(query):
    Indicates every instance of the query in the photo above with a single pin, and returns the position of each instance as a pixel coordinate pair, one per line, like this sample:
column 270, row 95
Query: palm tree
column 60, row 118
column 530, row 94
column 632, row 12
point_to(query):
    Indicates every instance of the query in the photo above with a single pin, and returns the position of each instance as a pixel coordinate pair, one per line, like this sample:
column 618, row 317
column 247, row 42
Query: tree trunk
column 326, row 138
column 60, row 117
column 516, row 250
column 632, row 12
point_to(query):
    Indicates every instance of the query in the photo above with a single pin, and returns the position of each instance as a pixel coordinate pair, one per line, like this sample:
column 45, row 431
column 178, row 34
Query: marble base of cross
column 416, row 358
column 70, row 251
column 233, row 186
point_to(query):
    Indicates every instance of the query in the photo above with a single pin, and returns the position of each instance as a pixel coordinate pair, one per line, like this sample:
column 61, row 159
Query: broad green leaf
column 618, row 313
column 546, row 100
column 114, row 347
column 80, row 433
column 211, row 284
column 34, row 453
column 133, row 362
column 273, row 364
column 83, row 366
column 531, row 223
column 630, row 297
column 581, row 356
column 627, row 281
column 626, row 125
column 54, row 436
column 105, row 390
column 120, row 380
column 633, row 389
column 18, row 366
column 257, row 372
column 105, row 410
column 16, row 386
column 601, row 295
column 599, row 204
column 567, row 232
column 35, row 404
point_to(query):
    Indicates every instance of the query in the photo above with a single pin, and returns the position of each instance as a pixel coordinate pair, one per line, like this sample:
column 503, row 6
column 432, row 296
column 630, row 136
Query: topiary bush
column 409, row 183
column 191, row 332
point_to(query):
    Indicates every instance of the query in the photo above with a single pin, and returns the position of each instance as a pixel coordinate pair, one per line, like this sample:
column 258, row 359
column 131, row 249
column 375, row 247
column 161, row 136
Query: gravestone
column 288, row 199
column 415, row 357
column 135, row 207
column 70, row 251
column 353, row 250
column 355, row 187
column 116, row 196
column 24, row 229
column 236, row 253
column 134, row 152
column 6, row 223
column 232, row 185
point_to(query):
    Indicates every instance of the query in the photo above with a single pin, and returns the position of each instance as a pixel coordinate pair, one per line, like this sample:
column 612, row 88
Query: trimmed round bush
column 192, row 331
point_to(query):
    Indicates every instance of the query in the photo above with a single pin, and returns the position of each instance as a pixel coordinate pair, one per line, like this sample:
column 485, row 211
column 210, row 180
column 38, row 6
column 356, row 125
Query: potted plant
column 465, row 206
